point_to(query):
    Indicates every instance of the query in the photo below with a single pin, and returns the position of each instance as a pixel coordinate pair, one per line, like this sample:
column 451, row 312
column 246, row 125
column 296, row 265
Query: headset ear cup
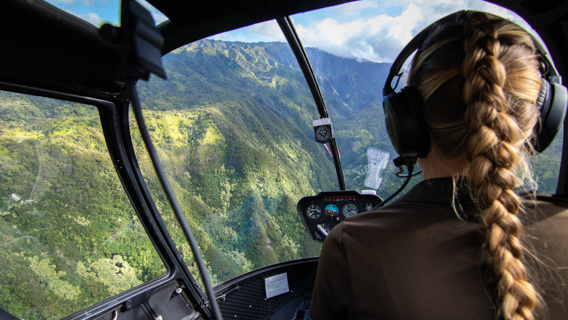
column 541, row 99
column 391, row 107
column 552, row 102
column 543, row 110
column 421, row 133
column 405, row 123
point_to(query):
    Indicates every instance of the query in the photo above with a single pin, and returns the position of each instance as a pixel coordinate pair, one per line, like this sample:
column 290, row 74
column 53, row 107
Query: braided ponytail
column 493, row 152
column 483, row 109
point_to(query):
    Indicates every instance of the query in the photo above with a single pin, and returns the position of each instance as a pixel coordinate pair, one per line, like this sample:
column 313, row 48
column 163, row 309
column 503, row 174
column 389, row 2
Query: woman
column 455, row 246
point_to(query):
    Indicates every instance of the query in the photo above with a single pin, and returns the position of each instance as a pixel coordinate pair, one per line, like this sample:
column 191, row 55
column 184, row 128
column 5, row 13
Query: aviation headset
column 404, row 114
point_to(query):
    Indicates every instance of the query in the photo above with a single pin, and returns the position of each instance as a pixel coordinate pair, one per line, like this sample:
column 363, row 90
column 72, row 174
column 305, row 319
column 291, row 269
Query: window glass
column 98, row 12
column 69, row 237
column 546, row 166
column 233, row 129
column 351, row 48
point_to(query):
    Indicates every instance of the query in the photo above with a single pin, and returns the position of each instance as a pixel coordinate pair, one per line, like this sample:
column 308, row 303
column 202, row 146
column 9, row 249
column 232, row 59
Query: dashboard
column 324, row 211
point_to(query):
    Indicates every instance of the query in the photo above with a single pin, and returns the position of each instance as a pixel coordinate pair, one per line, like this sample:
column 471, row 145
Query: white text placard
column 276, row 285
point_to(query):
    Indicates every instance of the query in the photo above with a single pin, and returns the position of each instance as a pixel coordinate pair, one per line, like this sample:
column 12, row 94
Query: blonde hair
column 479, row 79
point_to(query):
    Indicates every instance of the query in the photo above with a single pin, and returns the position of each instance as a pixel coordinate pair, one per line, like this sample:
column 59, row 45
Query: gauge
column 331, row 210
column 323, row 133
column 313, row 211
column 350, row 210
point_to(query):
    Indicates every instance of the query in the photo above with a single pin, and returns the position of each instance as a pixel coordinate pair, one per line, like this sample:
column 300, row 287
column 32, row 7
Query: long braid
column 493, row 150
column 479, row 90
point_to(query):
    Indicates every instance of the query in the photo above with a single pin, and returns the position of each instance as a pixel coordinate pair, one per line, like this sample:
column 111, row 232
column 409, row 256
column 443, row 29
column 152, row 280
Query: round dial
column 350, row 210
column 331, row 210
column 323, row 133
column 313, row 211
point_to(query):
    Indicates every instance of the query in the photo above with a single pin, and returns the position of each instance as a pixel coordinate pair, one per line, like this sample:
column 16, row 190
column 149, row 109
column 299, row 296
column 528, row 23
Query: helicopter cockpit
column 207, row 194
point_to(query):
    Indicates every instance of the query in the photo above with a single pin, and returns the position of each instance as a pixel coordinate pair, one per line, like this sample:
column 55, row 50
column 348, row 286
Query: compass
column 323, row 130
column 323, row 134
column 313, row 211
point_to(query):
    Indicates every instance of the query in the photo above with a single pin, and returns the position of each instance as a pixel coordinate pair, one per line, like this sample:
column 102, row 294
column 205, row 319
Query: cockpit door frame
column 113, row 111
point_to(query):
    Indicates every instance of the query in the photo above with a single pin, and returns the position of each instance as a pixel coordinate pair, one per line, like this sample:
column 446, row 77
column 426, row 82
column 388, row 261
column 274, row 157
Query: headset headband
column 408, row 50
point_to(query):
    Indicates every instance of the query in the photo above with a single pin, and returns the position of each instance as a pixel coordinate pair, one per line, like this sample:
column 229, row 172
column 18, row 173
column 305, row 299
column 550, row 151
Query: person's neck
column 437, row 166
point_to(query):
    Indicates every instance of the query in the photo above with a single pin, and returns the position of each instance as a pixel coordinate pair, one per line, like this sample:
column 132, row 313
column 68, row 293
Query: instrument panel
column 321, row 213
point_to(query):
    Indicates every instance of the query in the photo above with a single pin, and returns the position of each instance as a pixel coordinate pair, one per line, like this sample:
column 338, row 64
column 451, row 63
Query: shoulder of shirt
column 336, row 233
column 400, row 209
column 551, row 198
column 545, row 201
column 398, row 216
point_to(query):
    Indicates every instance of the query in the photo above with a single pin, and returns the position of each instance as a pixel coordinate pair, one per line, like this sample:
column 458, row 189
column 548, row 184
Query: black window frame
column 113, row 112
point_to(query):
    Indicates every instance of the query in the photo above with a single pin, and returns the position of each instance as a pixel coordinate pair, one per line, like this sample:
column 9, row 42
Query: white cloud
column 91, row 17
column 378, row 39
column 269, row 31
column 401, row 27
column 440, row 8
column 265, row 31
column 382, row 37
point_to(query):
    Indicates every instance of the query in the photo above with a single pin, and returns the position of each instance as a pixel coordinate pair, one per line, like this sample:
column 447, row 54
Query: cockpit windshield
column 234, row 128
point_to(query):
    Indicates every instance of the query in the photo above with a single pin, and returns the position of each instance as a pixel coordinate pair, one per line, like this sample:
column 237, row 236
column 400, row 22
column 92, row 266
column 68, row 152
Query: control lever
column 322, row 231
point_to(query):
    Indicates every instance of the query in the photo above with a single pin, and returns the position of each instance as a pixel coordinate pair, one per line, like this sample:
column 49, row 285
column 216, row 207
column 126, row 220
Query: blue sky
column 374, row 30
column 98, row 12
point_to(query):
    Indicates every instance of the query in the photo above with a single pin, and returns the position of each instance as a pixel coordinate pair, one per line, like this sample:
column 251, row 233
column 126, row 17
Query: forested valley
column 233, row 128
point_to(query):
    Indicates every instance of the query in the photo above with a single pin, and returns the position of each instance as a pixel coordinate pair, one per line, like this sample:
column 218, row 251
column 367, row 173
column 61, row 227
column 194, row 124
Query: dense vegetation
column 68, row 235
column 233, row 127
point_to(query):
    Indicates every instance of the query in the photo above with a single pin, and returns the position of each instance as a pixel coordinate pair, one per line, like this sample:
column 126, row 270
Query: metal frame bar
column 287, row 27
column 114, row 123
column 146, row 195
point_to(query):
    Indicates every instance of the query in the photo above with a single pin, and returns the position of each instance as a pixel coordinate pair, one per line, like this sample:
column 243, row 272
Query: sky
column 98, row 12
column 374, row 30
column 370, row 29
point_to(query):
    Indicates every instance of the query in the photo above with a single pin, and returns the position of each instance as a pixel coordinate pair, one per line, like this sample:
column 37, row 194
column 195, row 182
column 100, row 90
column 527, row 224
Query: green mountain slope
column 68, row 235
column 249, row 157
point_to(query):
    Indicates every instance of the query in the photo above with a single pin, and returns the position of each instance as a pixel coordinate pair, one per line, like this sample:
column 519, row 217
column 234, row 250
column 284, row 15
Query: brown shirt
column 414, row 259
